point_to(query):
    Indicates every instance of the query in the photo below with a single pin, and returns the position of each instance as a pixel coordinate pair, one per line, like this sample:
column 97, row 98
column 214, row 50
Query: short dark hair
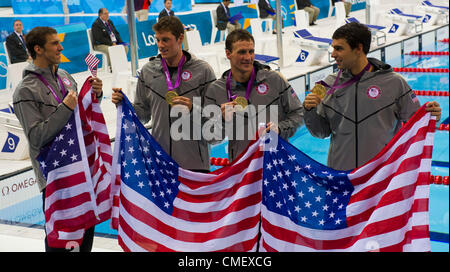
column 38, row 36
column 100, row 11
column 237, row 35
column 16, row 21
column 169, row 24
column 355, row 34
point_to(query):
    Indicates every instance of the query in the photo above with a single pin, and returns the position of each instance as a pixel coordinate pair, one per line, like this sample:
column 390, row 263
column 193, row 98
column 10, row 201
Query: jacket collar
column 379, row 67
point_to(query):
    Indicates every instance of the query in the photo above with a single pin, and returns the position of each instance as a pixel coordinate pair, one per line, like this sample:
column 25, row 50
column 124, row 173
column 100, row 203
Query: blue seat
column 265, row 58
column 396, row 11
column 429, row 4
column 354, row 20
column 305, row 34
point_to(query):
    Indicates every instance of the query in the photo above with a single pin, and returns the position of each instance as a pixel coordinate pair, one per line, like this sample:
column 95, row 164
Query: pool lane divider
column 428, row 53
column 219, row 161
column 420, row 70
column 431, row 93
column 444, row 127
column 439, row 180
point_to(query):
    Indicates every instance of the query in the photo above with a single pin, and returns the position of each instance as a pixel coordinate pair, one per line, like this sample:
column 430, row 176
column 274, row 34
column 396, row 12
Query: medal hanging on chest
column 335, row 86
column 241, row 101
column 171, row 93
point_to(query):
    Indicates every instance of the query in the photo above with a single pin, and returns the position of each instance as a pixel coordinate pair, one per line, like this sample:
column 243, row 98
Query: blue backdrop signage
column 146, row 42
column 3, row 67
column 177, row 6
column 75, row 43
column 5, row 3
column 201, row 22
column 73, row 6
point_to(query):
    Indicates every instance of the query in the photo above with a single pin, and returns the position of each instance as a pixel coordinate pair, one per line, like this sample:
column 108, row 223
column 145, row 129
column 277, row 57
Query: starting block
column 312, row 48
column 265, row 59
column 436, row 13
column 13, row 143
column 378, row 35
column 404, row 22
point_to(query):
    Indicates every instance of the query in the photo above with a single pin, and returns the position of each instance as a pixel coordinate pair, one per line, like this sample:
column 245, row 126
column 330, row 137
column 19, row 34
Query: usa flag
column 380, row 206
column 77, row 167
column 298, row 203
column 162, row 207
column 92, row 62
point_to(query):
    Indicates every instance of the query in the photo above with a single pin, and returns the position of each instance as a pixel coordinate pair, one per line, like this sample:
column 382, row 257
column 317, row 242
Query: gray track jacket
column 363, row 117
column 269, row 89
column 150, row 103
column 40, row 115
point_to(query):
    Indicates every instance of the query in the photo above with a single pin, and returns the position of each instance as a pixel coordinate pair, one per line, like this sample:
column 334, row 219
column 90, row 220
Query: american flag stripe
column 77, row 191
column 394, row 181
column 203, row 234
column 346, row 233
column 98, row 148
column 382, row 236
column 416, row 128
column 388, row 209
column 178, row 232
column 219, row 211
column 227, row 186
column 381, row 206
column 92, row 62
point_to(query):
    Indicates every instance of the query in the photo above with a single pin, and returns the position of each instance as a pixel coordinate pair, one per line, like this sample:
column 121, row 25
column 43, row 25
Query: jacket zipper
column 200, row 152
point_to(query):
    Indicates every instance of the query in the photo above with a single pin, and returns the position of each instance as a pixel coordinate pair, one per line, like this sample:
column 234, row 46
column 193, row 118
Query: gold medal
column 169, row 97
column 241, row 101
column 319, row 90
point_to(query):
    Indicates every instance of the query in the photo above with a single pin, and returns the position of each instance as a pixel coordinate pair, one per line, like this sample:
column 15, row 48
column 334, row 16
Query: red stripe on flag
column 237, row 205
column 185, row 236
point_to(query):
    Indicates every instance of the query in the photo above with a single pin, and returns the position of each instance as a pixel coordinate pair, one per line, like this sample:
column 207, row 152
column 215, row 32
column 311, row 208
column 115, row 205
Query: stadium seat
column 378, row 34
column 14, row 74
column 196, row 47
column 312, row 48
column 340, row 13
column 105, row 64
column 437, row 13
column 406, row 22
column 260, row 36
column 223, row 33
column 8, row 60
column 301, row 19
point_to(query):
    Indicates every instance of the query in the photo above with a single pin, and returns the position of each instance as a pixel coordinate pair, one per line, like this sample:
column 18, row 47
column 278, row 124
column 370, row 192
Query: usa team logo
column 186, row 75
column 66, row 81
column 262, row 88
column 373, row 92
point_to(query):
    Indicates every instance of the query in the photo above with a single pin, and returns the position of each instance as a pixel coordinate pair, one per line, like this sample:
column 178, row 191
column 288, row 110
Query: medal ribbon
column 247, row 91
column 345, row 84
column 170, row 87
column 63, row 89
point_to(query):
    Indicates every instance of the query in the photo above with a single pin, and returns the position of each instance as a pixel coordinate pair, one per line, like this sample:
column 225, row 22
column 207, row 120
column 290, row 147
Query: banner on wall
column 3, row 67
column 5, row 3
column 72, row 6
column 177, row 6
column 146, row 42
column 75, row 43
column 201, row 22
